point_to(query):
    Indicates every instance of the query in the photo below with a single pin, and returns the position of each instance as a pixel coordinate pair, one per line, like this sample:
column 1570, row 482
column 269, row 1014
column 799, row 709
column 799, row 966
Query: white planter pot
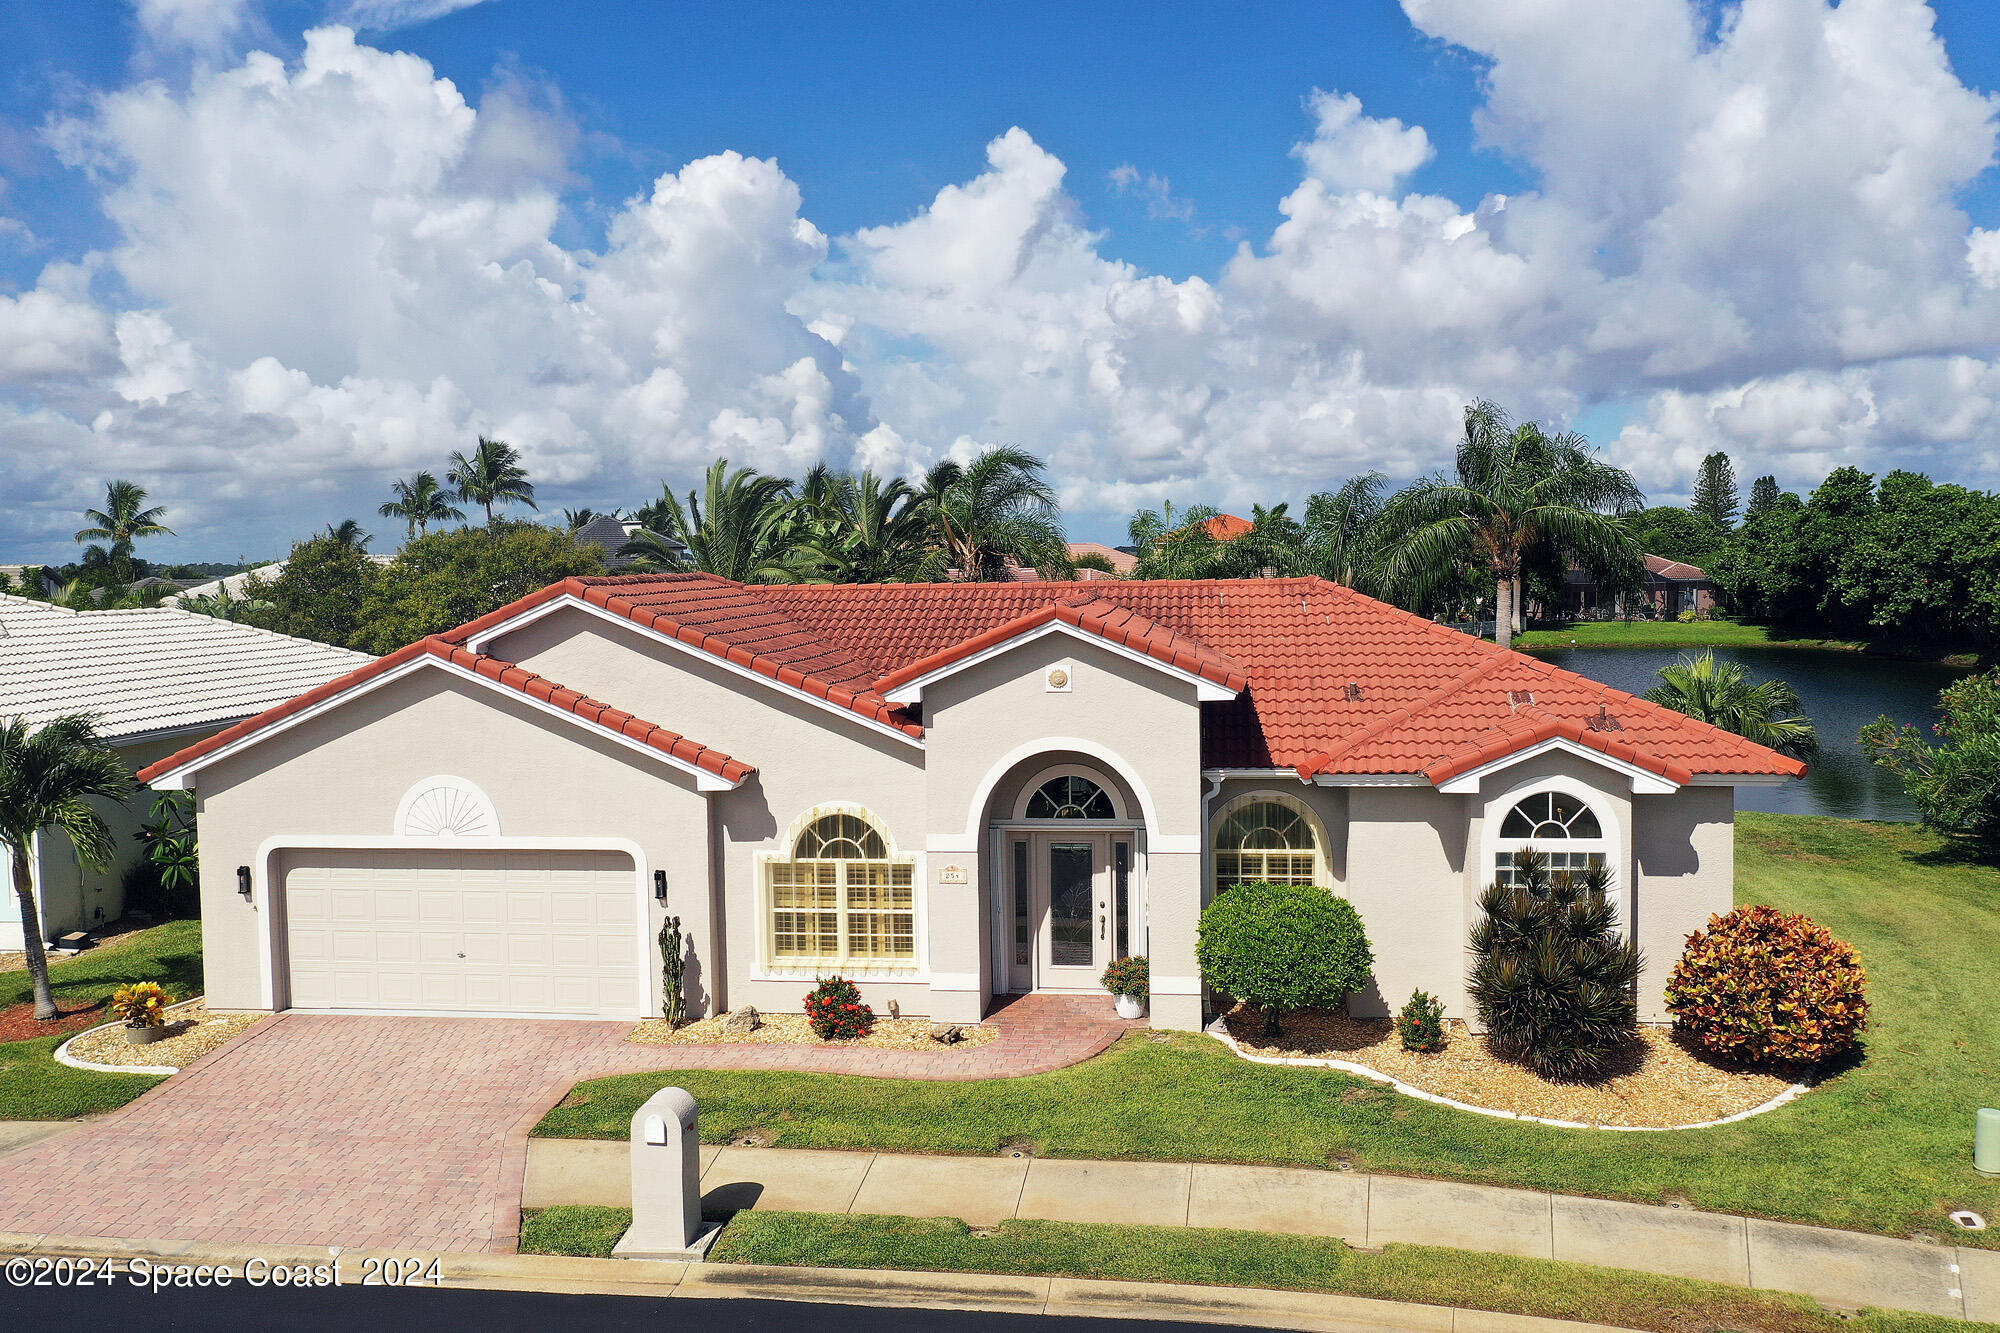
column 1131, row 1006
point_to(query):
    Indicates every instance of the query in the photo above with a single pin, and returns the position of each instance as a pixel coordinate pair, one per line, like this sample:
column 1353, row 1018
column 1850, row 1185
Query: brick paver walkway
column 408, row 1133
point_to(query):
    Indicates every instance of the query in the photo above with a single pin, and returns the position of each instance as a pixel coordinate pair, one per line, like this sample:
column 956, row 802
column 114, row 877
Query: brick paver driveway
column 405, row 1133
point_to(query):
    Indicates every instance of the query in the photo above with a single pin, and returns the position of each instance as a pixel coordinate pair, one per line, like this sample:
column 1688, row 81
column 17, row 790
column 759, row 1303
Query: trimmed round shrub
column 1421, row 1023
column 1769, row 987
column 835, row 1012
column 1283, row 946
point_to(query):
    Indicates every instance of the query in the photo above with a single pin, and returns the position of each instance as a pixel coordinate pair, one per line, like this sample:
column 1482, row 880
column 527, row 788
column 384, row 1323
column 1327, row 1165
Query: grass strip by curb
column 1410, row 1273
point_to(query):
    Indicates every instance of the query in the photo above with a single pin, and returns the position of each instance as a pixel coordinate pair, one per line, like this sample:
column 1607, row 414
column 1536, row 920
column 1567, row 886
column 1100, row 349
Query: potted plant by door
column 1128, row 980
column 143, row 1006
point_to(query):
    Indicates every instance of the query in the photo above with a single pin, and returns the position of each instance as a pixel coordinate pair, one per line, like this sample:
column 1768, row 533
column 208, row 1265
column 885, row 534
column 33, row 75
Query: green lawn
column 1237, row 1259
column 32, row 1085
column 1885, row 1147
column 1670, row 634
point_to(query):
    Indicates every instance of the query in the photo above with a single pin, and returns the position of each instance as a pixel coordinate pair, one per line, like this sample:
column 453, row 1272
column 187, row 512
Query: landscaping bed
column 1659, row 1082
column 901, row 1034
column 196, row 1033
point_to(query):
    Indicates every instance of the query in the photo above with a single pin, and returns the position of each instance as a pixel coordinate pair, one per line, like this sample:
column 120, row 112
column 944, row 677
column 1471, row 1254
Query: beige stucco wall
column 805, row 756
column 1405, row 876
column 1129, row 718
column 1684, row 846
column 343, row 774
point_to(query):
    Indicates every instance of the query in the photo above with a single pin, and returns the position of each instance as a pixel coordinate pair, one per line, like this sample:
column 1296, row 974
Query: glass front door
column 1073, row 902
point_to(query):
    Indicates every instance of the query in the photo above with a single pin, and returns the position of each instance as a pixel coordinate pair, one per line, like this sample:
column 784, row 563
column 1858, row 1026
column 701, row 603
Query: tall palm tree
column 420, row 502
column 738, row 527
column 573, row 519
column 1274, row 545
column 348, row 532
column 1176, row 544
column 1515, row 492
column 493, row 475
column 47, row 778
column 1343, row 533
column 861, row 528
column 123, row 520
column 994, row 511
column 1720, row 694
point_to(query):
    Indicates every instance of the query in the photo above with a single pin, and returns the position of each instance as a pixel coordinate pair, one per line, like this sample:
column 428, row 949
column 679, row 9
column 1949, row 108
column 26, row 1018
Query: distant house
column 157, row 679
column 1670, row 587
column 1121, row 560
column 609, row 535
column 232, row 585
column 1227, row 527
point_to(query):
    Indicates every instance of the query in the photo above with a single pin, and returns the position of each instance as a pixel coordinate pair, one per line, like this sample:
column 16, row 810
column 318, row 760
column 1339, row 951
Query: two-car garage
column 459, row 930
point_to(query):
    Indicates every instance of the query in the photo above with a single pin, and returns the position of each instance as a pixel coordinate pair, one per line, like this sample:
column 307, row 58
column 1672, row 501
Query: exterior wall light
column 660, row 885
column 243, row 882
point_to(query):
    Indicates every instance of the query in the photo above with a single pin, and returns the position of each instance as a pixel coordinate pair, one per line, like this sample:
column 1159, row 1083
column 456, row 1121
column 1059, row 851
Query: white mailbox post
column 666, row 1181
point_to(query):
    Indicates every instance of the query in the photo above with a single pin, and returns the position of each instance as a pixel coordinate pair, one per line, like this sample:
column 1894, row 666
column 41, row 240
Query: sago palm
column 492, row 475
column 123, row 520
column 48, row 776
column 994, row 512
column 1720, row 694
column 420, row 502
column 861, row 528
column 1515, row 492
column 737, row 527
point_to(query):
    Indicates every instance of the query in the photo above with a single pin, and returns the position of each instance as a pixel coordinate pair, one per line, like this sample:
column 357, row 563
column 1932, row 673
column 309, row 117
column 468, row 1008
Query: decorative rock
column 948, row 1033
column 742, row 1020
column 895, row 1010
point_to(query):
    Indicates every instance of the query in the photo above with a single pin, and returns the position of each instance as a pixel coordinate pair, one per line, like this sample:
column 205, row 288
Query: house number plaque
column 951, row 875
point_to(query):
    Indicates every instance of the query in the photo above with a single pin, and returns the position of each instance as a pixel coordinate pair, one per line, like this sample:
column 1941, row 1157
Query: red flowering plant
column 1768, row 987
column 835, row 1012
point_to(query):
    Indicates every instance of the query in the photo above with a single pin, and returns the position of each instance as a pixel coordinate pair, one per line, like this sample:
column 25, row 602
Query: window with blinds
column 842, row 900
column 1266, row 840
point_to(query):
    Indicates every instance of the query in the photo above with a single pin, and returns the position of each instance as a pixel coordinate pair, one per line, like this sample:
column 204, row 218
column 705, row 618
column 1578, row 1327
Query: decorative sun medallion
column 447, row 808
column 1058, row 678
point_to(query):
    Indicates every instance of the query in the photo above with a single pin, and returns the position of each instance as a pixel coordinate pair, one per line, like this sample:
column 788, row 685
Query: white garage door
column 462, row 931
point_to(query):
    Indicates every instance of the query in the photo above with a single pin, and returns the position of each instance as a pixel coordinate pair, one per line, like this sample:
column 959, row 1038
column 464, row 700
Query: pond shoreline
column 1697, row 635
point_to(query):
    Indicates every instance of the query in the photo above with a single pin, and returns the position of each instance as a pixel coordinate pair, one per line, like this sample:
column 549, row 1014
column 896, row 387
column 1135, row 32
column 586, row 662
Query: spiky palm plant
column 420, row 502
column 1176, row 544
column 123, row 520
column 348, row 532
column 995, row 511
column 492, row 475
column 739, row 526
column 1516, row 492
column 1553, row 981
column 861, row 528
column 48, row 775
column 1720, row 694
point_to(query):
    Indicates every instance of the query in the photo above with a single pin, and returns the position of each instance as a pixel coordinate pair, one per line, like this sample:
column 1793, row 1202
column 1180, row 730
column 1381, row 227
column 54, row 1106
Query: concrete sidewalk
column 1840, row 1268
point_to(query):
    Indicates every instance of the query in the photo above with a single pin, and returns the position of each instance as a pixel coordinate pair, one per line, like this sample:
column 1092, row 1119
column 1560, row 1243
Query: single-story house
column 1669, row 586
column 946, row 792
column 157, row 679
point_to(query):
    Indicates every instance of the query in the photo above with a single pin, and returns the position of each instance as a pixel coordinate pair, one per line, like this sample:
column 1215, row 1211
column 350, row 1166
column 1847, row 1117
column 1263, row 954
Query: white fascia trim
column 177, row 779
column 1205, row 690
column 1739, row 780
column 478, row 642
column 1371, row 780
column 1259, row 774
column 1644, row 783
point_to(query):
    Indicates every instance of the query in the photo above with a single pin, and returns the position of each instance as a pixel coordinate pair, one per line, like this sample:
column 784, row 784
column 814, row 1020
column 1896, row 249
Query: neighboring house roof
column 232, row 584
column 1679, row 570
column 1121, row 562
column 150, row 669
column 1227, row 527
column 1328, row 682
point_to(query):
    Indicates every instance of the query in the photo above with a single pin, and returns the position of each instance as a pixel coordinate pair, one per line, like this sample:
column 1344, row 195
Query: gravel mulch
column 901, row 1034
column 1657, row 1082
column 199, row 1033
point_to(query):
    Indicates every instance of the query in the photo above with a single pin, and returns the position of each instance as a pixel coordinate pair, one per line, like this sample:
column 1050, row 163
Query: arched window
column 1071, row 796
column 842, row 899
column 1266, row 836
column 1561, row 826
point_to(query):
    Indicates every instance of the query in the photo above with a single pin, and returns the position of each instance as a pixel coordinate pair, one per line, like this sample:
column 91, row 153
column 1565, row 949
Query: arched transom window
column 1561, row 826
column 1071, row 796
column 842, row 899
column 1267, row 837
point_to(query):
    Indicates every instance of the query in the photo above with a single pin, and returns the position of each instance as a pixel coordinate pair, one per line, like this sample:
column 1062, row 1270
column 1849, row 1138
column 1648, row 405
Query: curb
column 1797, row 1090
column 63, row 1057
column 1249, row 1307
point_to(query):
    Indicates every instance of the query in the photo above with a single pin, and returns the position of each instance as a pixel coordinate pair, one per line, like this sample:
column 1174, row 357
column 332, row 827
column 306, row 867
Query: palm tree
column 1516, row 491
column 493, row 475
column 995, row 511
column 1275, row 544
column 1343, row 533
column 47, row 778
column 737, row 528
column 420, row 502
column 349, row 533
column 574, row 519
column 123, row 520
column 1175, row 545
column 861, row 528
column 1720, row 694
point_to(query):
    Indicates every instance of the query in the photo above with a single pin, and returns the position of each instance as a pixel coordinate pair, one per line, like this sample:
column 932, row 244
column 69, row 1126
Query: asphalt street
column 350, row 1309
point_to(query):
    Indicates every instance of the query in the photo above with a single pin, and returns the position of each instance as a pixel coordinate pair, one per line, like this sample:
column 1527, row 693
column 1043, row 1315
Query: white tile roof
column 151, row 669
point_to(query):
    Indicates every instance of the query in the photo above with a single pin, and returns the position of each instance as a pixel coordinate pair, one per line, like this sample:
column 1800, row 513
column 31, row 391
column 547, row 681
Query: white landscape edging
column 63, row 1057
column 1349, row 1067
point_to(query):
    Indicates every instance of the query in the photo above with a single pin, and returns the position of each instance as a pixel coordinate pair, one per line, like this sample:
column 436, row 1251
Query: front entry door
column 1076, row 902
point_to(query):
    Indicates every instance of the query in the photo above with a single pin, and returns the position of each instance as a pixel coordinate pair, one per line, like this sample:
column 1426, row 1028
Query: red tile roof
column 1672, row 569
column 1227, row 527
column 1330, row 681
column 536, row 687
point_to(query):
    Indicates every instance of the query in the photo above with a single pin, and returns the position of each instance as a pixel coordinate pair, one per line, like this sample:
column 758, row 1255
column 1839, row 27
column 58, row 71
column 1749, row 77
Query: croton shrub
column 835, row 1012
column 1769, row 987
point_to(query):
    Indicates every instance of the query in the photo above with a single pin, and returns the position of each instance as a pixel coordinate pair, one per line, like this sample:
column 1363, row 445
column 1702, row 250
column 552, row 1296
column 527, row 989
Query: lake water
column 1840, row 692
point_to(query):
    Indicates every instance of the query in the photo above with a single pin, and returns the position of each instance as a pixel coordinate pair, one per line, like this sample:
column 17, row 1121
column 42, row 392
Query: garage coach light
column 660, row 885
column 243, row 881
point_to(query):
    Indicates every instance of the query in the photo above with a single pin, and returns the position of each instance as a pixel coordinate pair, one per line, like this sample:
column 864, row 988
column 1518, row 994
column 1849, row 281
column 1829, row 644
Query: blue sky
column 1125, row 338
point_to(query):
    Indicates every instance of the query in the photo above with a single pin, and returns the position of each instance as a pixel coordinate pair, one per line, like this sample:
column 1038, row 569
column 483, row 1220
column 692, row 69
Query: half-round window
column 1265, row 838
column 1560, row 826
column 840, row 838
column 1070, row 797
